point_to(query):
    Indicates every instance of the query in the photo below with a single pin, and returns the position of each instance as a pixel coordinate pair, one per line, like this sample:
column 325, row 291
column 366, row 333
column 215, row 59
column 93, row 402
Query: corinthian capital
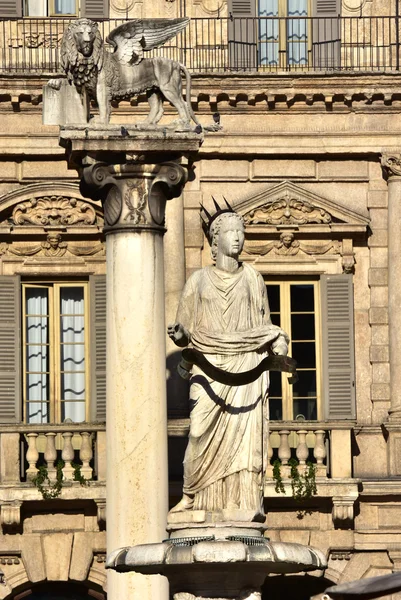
column 391, row 164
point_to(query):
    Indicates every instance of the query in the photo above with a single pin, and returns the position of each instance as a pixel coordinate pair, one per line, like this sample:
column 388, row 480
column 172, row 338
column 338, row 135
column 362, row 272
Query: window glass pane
column 36, row 8
column 275, row 409
column 306, row 384
column 273, row 294
column 302, row 327
column 64, row 7
column 302, row 298
column 72, row 353
column 304, row 354
column 268, row 32
column 306, row 408
column 297, row 32
column 37, row 355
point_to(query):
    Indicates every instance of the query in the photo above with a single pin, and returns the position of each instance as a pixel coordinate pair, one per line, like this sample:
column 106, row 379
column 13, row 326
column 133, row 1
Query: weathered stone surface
column 56, row 552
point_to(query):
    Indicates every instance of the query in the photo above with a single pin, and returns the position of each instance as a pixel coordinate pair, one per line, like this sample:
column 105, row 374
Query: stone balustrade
column 25, row 448
column 328, row 446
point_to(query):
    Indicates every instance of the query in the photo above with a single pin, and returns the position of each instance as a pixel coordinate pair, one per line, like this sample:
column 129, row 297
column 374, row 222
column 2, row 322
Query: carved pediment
column 49, row 205
column 290, row 204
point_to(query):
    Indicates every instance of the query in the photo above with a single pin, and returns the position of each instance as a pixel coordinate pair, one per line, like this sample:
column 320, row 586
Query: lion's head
column 82, row 45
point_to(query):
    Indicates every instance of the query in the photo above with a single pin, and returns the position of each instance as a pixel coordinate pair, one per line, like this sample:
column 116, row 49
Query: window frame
column 285, row 324
column 282, row 43
column 54, row 404
column 50, row 10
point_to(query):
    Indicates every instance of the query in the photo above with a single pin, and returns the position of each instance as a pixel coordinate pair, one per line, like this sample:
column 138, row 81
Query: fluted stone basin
column 208, row 566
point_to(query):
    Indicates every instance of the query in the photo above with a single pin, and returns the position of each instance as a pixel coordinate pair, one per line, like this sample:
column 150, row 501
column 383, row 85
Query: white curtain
column 268, row 32
column 297, row 32
column 37, row 355
column 72, row 351
column 36, row 8
column 65, row 7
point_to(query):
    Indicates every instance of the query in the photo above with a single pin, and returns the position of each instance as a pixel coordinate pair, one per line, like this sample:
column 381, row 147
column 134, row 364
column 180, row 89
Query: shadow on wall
column 301, row 587
column 61, row 591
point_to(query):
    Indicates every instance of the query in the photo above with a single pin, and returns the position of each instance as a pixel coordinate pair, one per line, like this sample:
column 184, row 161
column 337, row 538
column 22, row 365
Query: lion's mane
column 81, row 70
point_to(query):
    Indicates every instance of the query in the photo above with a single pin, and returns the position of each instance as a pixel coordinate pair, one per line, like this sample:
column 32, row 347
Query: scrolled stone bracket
column 343, row 511
column 10, row 514
column 391, row 164
column 133, row 195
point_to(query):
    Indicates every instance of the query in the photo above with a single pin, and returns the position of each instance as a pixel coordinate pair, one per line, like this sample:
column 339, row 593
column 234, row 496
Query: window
column 284, row 41
column 55, row 352
column 294, row 306
column 50, row 8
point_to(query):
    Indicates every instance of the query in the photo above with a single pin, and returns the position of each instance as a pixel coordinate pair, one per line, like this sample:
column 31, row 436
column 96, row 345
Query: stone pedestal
column 134, row 176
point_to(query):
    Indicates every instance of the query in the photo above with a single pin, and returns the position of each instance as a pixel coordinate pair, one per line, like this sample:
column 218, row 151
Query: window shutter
column 326, row 41
column 10, row 349
column 242, row 35
column 10, row 8
column 95, row 9
column 98, row 346
column 338, row 346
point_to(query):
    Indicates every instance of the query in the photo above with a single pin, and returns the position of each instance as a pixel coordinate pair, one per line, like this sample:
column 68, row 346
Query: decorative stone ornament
column 134, row 195
column 105, row 77
column 391, row 164
column 53, row 211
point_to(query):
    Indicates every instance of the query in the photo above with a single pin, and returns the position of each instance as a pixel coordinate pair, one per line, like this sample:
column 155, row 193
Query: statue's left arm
column 280, row 344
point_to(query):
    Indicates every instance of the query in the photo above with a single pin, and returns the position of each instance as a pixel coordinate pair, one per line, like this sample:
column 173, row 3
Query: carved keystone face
column 231, row 237
column 84, row 36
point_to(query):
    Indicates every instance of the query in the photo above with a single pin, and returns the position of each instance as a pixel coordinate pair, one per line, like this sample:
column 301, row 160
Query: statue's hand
column 280, row 346
column 178, row 334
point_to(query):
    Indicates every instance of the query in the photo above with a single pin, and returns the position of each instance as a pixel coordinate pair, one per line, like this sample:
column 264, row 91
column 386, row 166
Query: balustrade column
column 302, row 451
column 32, row 455
column 86, row 455
column 51, row 455
column 67, row 455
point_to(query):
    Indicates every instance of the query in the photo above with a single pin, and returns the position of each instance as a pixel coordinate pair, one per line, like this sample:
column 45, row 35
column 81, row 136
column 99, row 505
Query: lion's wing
column 131, row 39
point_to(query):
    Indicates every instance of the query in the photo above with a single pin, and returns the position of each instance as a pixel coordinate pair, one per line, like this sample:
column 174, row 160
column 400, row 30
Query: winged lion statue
column 126, row 72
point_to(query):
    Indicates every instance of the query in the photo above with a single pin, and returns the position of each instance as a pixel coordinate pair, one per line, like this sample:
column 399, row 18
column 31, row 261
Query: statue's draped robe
column 228, row 318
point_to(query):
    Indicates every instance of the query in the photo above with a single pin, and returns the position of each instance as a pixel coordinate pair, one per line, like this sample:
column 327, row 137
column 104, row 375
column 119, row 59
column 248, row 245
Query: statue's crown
column 207, row 218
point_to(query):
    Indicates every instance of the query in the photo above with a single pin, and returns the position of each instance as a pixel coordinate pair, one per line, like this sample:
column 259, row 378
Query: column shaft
column 137, row 478
column 394, row 292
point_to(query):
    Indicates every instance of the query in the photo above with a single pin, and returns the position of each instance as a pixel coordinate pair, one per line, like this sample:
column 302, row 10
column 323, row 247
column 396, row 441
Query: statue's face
column 84, row 36
column 53, row 241
column 231, row 237
column 287, row 240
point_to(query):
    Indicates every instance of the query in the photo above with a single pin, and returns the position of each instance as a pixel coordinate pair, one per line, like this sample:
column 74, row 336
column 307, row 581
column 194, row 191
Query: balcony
column 266, row 45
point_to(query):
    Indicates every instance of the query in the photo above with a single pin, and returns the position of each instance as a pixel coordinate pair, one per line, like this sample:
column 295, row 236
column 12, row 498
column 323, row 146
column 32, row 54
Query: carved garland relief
column 54, row 210
column 287, row 210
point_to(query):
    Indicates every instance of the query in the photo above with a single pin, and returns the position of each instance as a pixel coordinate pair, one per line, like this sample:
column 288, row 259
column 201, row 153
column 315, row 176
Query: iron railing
column 262, row 44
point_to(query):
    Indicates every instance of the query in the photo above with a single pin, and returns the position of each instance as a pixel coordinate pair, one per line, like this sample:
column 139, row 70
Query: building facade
column 308, row 93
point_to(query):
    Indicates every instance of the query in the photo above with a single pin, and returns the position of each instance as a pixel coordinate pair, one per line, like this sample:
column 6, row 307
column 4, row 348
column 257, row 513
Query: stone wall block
column 9, row 457
column 380, row 391
column 379, row 258
column 379, row 354
column 378, row 316
column 193, row 258
column 381, row 373
column 352, row 170
column 193, row 238
column 234, row 170
column 192, row 199
column 192, row 219
column 377, row 199
column 57, row 555
column 8, row 171
column 379, row 335
column 282, row 169
column 379, row 296
column 32, row 555
column 378, row 217
column 82, row 556
column 378, row 277
column 379, row 238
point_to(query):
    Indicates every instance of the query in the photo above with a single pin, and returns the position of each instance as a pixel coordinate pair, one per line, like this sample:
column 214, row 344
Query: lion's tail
column 188, row 93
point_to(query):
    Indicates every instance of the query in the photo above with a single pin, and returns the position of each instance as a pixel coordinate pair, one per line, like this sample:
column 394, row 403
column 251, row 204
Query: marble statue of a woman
column 224, row 313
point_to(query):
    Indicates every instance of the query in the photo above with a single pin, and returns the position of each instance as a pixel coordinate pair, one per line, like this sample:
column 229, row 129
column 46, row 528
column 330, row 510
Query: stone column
column 134, row 197
column 174, row 271
column 391, row 163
